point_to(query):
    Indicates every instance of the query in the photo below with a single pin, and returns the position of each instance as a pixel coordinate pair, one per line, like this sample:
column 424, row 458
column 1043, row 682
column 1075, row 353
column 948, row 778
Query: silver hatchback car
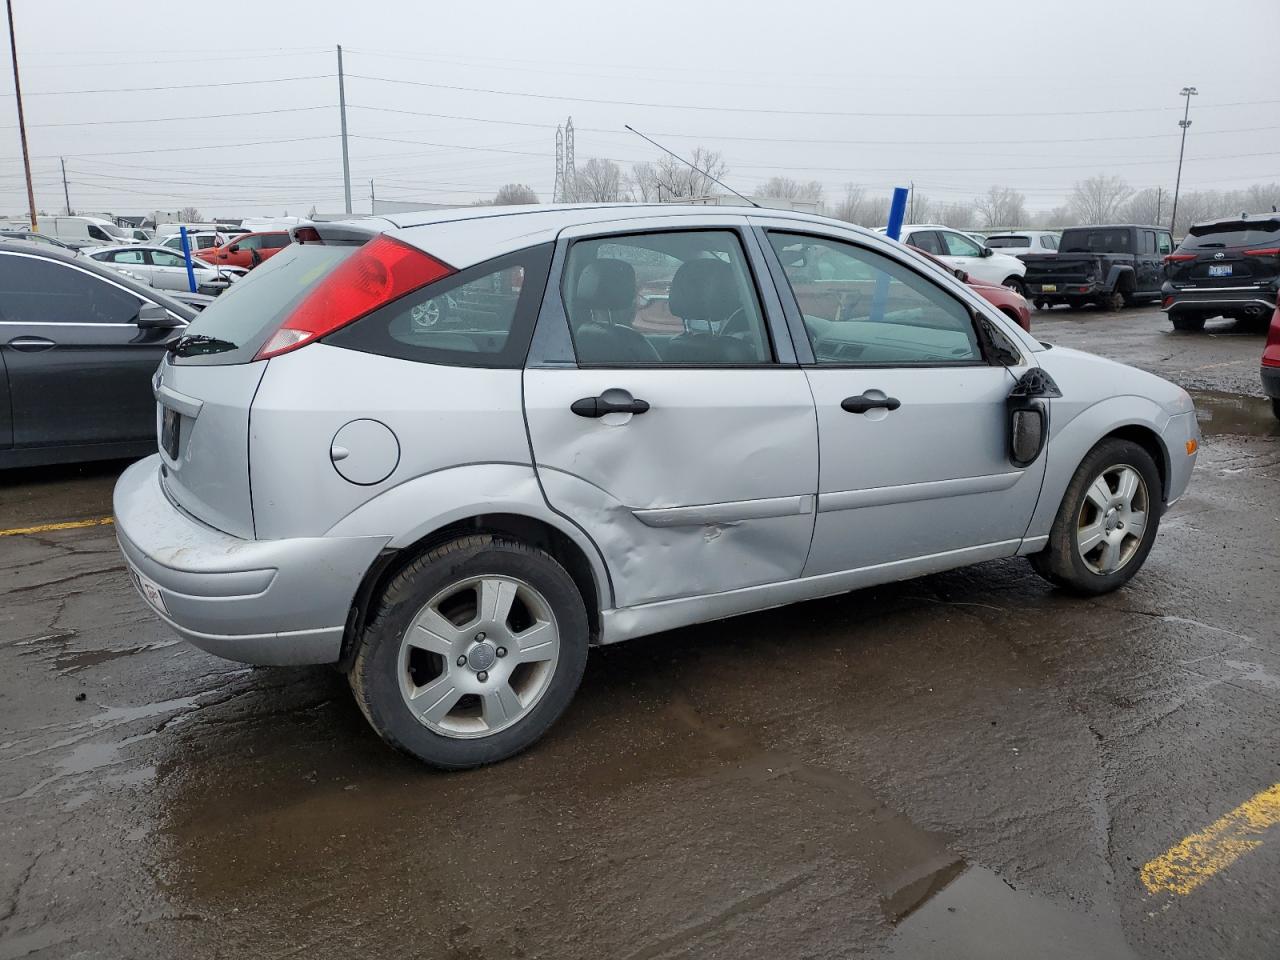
column 451, row 451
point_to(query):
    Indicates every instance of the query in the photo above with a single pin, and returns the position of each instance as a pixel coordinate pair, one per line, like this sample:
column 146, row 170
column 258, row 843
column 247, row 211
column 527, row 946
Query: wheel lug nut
column 482, row 676
column 480, row 637
column 462, row 661
column 501, row 651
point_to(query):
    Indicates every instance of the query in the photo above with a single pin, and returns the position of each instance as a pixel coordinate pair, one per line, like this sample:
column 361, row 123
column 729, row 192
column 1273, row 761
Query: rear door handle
column 864, row 403
column 31, row 344
column 595, row 407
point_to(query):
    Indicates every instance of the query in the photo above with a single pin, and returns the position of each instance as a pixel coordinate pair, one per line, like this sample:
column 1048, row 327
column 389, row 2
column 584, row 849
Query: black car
column 1224, row 268
column 1114, row 266
column 78, row 346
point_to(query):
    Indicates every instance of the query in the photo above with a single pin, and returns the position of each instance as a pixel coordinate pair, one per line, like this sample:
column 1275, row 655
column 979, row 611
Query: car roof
column 1115, row 226
column 1244, row 218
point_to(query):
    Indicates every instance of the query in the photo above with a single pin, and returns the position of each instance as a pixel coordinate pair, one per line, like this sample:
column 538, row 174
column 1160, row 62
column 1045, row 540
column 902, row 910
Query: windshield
column 238, row 323
column 1010, row 241
column 1096, row 240
column 115, row 231
column 1232, row 234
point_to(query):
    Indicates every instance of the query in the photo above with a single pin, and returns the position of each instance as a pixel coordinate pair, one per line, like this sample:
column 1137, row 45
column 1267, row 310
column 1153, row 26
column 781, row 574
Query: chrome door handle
column 31, row 344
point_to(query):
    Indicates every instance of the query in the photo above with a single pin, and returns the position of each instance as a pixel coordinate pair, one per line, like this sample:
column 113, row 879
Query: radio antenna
column 692, row 167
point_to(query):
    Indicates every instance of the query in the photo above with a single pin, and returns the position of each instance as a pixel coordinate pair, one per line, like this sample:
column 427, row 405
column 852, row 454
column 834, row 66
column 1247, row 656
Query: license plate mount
column 170, row 430
column 1049, row 288
column 1219, row 269
column 150, row 592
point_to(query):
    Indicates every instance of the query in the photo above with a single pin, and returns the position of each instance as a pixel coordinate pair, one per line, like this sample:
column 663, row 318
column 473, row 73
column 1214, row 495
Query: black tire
column 1043, row 305
column 1113, row 301
column 1016, row 285
column 1187, row 322
column 375, row 677
column 1076, row 304
column 1060, row 562
column 1275, row 406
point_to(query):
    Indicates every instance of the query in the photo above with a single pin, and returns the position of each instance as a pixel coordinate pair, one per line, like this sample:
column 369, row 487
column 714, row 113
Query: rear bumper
column 1064, row 291
column 1178, row 436
column 1271, row 382
column 1226, row 301
column 255, row 601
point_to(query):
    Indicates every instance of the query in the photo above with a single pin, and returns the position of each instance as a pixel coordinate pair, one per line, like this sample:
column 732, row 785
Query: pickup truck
column 1113, row 266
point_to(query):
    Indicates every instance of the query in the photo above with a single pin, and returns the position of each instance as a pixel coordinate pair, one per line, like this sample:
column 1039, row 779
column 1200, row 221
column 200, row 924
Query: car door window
column 684, row 297
column 163, row 258
column 250, row 243
column 1164, row 243
column 1049, row 243
column 874, row 310
column 33, row 290
column 1148, row 242
column 926, row 240
column 129, row 256
column 960, row 246
column 275, row 241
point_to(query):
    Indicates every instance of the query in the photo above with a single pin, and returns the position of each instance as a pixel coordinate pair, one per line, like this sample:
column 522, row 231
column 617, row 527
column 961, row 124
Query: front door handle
column 864, row 403
column 31, row 344
column 595, row 407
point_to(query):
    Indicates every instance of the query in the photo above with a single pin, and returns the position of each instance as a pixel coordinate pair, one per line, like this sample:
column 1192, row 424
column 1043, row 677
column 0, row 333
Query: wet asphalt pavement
column 969, row 765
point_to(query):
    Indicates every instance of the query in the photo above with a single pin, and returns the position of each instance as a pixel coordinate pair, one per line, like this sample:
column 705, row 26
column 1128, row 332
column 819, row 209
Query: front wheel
column 1275, row 406
column 475, row 650
column 1107, row 521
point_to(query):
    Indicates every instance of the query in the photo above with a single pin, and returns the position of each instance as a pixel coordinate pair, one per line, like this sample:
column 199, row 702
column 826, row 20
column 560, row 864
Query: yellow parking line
column 1194, row 860
column 65, row 525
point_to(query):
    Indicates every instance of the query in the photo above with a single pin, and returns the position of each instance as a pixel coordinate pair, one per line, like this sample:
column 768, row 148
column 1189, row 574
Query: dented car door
column 674, row 427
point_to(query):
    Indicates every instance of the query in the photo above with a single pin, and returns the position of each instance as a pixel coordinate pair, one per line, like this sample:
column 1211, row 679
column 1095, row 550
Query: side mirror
column 152, row 316
column 987, row 251
column 962, row 275
column 1029, row 416
column 234, row 248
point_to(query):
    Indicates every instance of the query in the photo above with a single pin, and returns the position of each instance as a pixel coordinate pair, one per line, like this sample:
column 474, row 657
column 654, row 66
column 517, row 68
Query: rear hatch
column 206, row 384
column 1227, row 253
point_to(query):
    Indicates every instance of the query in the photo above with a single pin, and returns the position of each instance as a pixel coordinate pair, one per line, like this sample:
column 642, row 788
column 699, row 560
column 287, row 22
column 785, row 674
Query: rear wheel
column 1107, row 521
column 1043, row 305
column 475, row 650
column 1076, row 304
column 1016, row 285
column 1189, row 322
column 1275, row 406
column 1115, row 300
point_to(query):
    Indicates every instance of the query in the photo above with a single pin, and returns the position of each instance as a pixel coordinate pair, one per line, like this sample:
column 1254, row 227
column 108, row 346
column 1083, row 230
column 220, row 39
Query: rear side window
column 997, row 242
column 480, row 317
column 275, row 241
column 33, row 290
column 1049, row 243
column 1215, row 236
column 1118, row 240
column 927, row 241
column 239, row 322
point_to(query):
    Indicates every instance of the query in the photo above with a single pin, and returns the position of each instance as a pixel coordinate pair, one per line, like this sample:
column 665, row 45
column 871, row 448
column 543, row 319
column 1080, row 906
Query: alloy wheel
column 1112, row 519
column 479, row 656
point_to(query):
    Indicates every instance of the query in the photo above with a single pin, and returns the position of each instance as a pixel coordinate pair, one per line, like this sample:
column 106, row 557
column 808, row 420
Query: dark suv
column 1224, row 268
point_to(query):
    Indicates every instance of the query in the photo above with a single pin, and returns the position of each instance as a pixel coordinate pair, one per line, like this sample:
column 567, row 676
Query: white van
column 85, row 231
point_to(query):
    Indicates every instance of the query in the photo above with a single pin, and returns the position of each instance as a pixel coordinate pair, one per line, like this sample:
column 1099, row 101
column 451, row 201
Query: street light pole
column 342, row 110
column 22, row 120
column 1188, row 93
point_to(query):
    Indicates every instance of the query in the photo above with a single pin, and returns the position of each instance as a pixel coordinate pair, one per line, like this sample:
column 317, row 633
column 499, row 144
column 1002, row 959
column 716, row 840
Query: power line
column 207, row 116
column 181, row 86
column 789, row 111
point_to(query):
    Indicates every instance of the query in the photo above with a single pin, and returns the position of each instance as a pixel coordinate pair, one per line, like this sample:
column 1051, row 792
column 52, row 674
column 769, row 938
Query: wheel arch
column 1149, row 440
column 1122, row 278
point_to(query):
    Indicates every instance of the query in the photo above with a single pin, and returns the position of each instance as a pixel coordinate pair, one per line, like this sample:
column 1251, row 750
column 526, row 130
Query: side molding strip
column 724, row 513
column 911, row 492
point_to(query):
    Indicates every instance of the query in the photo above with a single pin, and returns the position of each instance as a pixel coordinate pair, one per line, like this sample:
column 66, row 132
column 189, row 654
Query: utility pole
column 22, row 122
column 372, row 198
column 66, row 194
column 1187, row 92
column 1159, row 199
column 342, row 109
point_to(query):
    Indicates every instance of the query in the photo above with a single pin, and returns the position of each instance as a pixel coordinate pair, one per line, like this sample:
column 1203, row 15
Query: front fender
column 1073, row 436
column 410, row 511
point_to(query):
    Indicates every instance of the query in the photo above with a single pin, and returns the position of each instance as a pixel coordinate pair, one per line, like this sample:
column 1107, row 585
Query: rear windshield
column 1008, row 241
column 236, row 325
column 1096, row 241
column 1232, row 234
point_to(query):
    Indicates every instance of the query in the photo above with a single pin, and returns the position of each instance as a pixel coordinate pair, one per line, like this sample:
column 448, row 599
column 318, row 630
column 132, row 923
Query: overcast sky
column 955, row 96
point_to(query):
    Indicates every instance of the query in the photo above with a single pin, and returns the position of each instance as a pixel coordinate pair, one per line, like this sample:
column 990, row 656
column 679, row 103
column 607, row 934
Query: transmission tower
column 557, row 192
column 570, row 173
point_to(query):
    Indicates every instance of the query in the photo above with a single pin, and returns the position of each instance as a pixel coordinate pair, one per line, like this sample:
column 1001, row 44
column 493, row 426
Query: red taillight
column 379, row 272
column 1264, row 252
column 1167, row 302
column 1178, row 257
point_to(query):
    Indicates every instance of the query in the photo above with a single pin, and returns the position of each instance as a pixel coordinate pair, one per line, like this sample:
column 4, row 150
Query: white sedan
column 962, row 252
column 164, row 269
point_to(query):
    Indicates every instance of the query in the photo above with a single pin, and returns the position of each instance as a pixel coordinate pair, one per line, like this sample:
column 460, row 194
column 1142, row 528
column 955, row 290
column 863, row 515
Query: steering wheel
column 738, row 315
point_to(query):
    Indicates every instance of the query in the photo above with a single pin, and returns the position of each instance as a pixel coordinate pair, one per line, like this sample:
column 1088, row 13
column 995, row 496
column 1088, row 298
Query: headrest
column 704, row 289
column 606, row 285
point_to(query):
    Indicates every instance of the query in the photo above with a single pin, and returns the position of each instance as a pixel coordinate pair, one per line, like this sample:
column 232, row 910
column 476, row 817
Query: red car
column 1010, row 302
column 247, row 250
column 1271, row 362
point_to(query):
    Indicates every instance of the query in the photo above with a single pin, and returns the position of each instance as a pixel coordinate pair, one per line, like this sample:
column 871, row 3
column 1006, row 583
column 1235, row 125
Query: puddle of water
column 1255, row 672
column 978, row 916
column 1230, row 413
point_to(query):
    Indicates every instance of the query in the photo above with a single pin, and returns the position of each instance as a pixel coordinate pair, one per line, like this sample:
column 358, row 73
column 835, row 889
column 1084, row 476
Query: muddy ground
column 966, row 765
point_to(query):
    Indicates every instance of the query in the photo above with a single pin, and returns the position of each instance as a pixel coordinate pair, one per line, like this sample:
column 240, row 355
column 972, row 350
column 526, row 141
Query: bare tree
column 597, row 181
column 514, row 194
column 1099, row 199
column 1001, row 207
column 852, row 206
column 1147, row 206
column 189, row 215
column 642, row 182
column 784, row 188
column 919, row 208
column 672, row 178
column 955, row 213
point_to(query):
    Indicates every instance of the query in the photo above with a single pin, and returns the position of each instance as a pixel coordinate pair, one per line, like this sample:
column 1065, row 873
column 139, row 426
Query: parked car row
column 166, row 269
